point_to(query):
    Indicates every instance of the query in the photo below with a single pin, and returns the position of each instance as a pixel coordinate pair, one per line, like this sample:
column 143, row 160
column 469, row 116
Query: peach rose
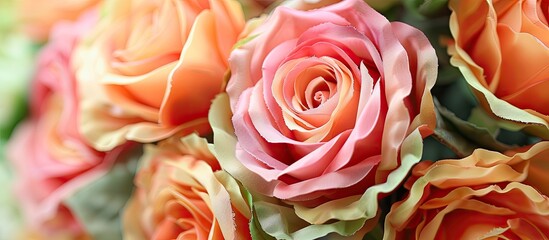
column 502, row 49
column 151, row 68
column 39, row 17
column 51, row 159
column 486, row 195
column 182, row 194
column 324, row 113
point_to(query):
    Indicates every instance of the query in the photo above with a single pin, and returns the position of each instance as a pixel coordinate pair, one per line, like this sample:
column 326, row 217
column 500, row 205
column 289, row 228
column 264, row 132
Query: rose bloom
column 151, row 68
column 39, row 17
column 322, row 102
column 487, row 195
column 50, row 158
column 502, row 49
column 182, row 193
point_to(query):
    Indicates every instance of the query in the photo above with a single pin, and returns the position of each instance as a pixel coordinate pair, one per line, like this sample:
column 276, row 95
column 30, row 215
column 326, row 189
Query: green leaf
column 375, row 234
column 464, row 137
column 434, row 150
column 432, row 7
column 256, row 231
column 481, row 119
column 99, row 205
column 446, row 134
column 427, row 8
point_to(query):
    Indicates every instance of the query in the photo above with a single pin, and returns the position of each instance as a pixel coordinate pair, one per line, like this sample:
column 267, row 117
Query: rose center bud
column 317, row 92
column 312, row 93
column 320, row 97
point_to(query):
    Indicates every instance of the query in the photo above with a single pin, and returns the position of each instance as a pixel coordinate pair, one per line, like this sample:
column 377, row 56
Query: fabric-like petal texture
column 151, row 68
column 182, row 194
column 502, row 49
column 486, row 195
column 321, row 103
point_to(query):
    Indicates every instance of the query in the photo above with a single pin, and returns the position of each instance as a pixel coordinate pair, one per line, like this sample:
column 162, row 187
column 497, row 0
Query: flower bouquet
column 290, row 119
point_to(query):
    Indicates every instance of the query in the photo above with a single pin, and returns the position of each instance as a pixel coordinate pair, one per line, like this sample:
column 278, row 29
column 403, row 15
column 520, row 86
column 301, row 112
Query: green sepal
column 464, row 137
column 99, row 205
column 427, row 8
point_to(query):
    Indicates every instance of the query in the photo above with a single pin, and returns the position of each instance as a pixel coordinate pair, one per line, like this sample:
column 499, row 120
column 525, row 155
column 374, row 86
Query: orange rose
column 152, row 68
column 502, row 49
column 38, row 17
column 182, row 194
column 485, row 195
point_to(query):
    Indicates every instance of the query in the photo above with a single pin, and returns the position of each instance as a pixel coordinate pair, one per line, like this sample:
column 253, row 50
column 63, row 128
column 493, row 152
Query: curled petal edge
column 312, row 219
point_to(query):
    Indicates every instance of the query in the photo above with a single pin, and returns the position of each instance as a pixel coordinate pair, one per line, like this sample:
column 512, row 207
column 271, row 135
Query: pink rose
column 322, row 103
column 51, row 160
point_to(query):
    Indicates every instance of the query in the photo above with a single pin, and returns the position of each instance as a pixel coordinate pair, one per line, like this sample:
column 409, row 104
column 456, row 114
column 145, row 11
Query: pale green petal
column 427, row 7
column 344, row 216
column 511, row 117
column 281, row 222
column 235, row 192
column 463, row 137
column 225, row 140
column 367, row 205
